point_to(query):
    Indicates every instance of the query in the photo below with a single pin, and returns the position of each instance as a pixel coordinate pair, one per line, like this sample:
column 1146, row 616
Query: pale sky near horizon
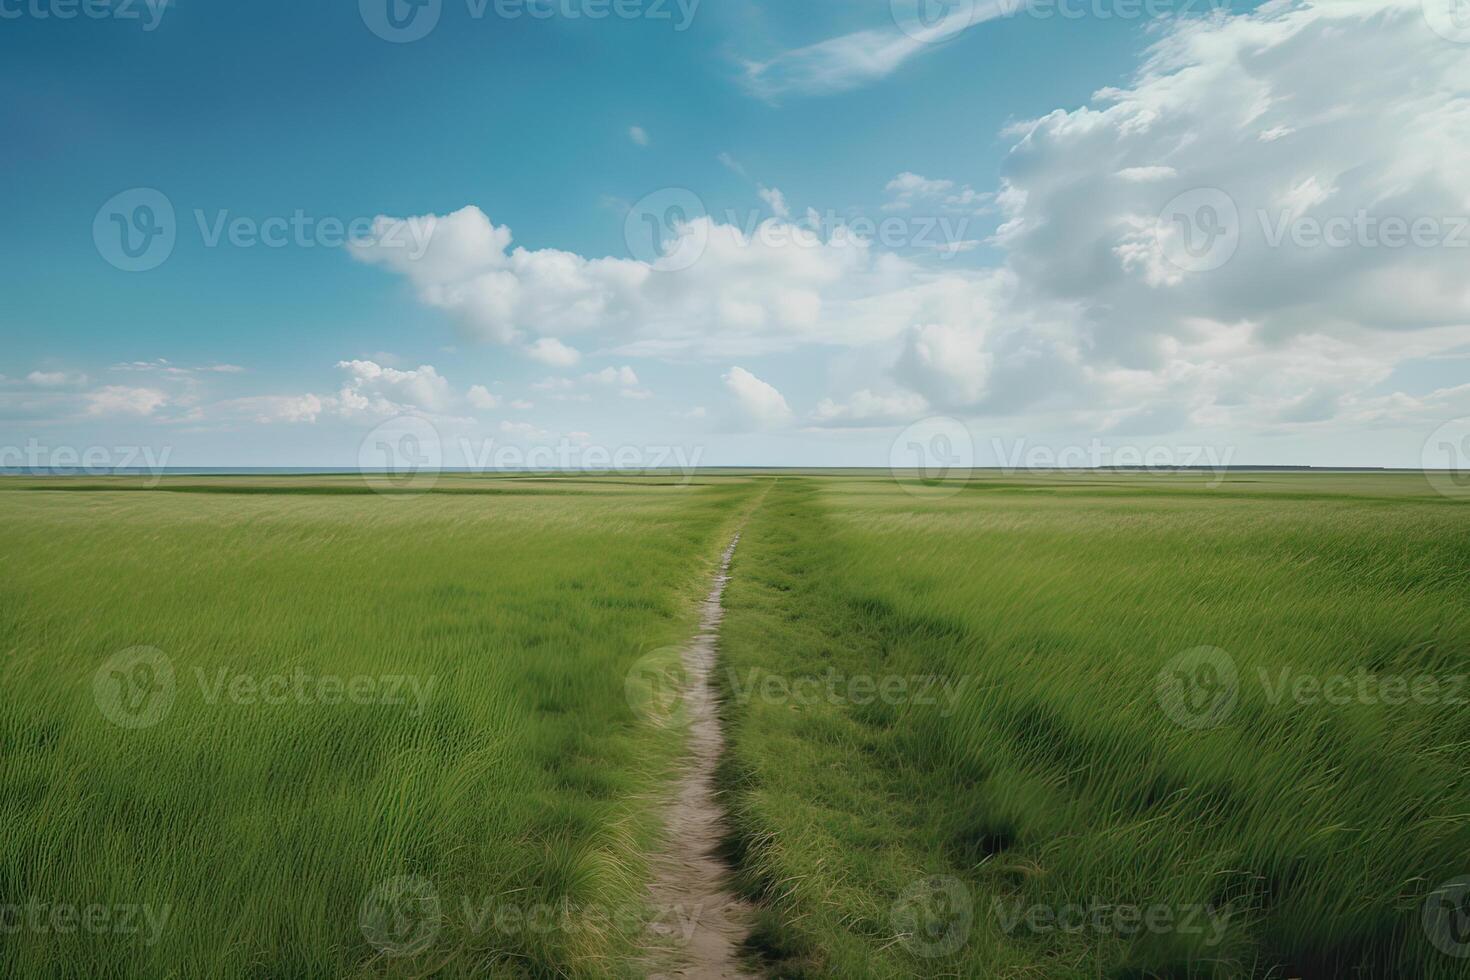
column 759, row 232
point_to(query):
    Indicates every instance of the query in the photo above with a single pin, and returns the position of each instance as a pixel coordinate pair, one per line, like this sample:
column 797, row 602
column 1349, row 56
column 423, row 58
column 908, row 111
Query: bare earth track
column 702, row 918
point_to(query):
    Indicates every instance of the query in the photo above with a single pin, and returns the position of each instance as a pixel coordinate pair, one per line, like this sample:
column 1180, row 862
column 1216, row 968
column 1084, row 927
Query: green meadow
column 1134, row 727
column 283, row 824
column 1118, row 726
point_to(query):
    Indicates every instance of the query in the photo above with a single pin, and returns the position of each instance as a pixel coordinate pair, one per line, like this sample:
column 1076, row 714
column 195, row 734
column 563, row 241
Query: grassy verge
column 283, row 734
column 991, row 733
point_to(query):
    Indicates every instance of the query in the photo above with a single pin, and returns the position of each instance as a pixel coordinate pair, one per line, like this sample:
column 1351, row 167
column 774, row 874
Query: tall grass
column 247, row 839
column 893, row 838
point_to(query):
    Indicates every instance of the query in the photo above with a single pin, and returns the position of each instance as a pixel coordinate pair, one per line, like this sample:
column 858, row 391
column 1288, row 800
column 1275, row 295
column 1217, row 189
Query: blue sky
column 1014, row 294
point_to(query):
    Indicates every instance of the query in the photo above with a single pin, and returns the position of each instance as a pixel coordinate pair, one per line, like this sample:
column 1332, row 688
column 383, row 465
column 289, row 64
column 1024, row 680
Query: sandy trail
column 701, row 921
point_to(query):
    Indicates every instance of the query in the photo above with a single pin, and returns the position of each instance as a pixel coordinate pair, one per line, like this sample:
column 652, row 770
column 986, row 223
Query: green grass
column 1313, row 831
column 517, row 780
column 1018, row 762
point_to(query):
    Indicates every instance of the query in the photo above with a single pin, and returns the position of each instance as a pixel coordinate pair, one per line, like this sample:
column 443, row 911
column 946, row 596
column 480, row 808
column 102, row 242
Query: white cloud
column 372, row 389
column 266, row 409
column 638, row 135
column 1276, row 329
column 909, row 189
column 1304, row 107
column 613, row 376
column 549, row 350
column 731, row 164
column 865, row 407
column 55, row 379
column 761, row 288
column 757, row 402
column 849, row 61
column 123, row 400
column 1146, row 175
column 775, row 200
column 481, row 397
column 909, row 186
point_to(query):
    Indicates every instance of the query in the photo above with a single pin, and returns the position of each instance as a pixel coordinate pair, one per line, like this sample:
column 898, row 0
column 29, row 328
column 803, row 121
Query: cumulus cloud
column 372, row 389
column 1300, row 110
column 480, row 397
column 549, row 350
column 624, row 375
column 753, row 289
column 756, row 401
column 638, row 135
column 1297, row 111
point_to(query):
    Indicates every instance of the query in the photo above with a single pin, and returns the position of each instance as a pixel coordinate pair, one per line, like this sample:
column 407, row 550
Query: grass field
column 1022, row 728
column 262, row 819
column 1041, row 813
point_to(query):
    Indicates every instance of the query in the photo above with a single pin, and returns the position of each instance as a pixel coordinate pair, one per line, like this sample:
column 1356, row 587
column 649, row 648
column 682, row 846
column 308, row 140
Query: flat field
column 1115, row 726
column 265, row 819
column 1133, row 726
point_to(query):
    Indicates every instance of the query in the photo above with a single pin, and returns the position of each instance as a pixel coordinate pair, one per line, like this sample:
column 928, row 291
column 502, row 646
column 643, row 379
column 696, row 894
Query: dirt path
column 700, row 920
